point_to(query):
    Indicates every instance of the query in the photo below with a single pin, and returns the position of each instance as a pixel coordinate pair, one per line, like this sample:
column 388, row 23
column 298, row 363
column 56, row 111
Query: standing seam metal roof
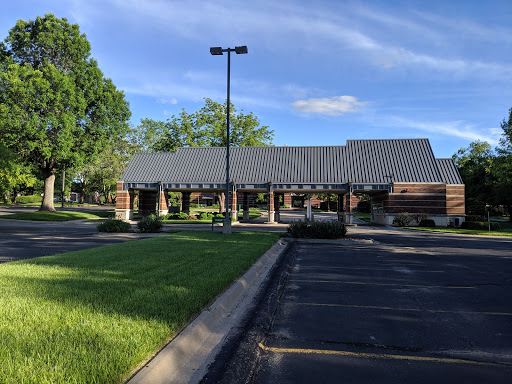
column 359, row 161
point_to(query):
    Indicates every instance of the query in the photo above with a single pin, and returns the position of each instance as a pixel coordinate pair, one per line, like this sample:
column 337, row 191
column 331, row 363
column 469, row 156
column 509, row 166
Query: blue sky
column 318, row 73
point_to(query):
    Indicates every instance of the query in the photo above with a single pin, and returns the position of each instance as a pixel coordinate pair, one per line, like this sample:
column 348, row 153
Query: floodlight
column 241, row 49
column 216, row 51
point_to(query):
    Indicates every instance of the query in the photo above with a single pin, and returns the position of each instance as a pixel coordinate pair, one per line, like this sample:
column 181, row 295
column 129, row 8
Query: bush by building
column 402, row 219
column 150, row 224
column 427, row 223
column 113, row 225
column 480, row 225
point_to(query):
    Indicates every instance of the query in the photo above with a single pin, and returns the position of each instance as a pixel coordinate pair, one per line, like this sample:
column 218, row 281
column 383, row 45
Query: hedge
column 113, row 225
column 28, row 199
column 480, row 225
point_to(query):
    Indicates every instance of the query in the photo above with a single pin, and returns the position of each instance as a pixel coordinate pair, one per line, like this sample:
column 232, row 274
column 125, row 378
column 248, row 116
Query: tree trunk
column 222, row 202
column 49, row 181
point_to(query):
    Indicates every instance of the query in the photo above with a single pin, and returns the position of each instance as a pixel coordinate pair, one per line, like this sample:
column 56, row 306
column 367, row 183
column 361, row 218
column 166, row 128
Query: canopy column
column 270, row 206
column 124, row 203
column 163, row 204
column 277, row 215
column 339, row 207
column 246, row 205
column 185, row 202
column 234, row 206
column 348, row 207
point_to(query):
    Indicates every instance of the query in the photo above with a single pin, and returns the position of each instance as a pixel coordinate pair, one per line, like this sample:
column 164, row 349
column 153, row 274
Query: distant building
column 400, row 175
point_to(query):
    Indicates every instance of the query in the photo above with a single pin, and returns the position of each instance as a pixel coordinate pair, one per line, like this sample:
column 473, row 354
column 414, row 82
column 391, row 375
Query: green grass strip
column 93, row 316
column 506, row 230
column 57, row 216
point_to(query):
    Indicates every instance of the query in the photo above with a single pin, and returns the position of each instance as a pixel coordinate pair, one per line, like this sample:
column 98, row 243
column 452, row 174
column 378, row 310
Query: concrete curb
column 187, row 357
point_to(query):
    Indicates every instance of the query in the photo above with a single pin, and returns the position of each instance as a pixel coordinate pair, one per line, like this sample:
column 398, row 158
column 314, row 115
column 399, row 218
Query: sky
column 317, row 73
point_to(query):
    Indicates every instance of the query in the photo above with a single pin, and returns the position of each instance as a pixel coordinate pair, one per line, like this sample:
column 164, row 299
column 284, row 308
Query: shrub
column 480, row 225
column 419, row 217
column 402, row 219
column 194, row 205
column 177, row 216
column 149, row 224
column 205, row 216
column 113, row 225
column 28, row 199
column 317, row 229
column 427, row 223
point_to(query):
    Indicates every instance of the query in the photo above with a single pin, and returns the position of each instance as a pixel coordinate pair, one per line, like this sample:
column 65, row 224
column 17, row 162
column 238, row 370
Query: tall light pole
column 219, row 51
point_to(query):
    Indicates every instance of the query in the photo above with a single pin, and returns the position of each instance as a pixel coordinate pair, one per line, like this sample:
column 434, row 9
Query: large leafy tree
column 57, row 110
column 205, row 128
column 503, row 165
column 475, row 165
column 13, row 175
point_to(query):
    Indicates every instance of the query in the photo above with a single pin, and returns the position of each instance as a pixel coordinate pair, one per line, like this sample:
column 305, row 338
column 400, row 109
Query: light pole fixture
column 216, row 51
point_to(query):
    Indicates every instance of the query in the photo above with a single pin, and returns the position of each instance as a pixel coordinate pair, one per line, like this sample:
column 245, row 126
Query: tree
column 327, row 197
column 506, row 140
column 475, row 167
column 57, row 110
column 206, row 128
column 13, row 175
column 503, row 166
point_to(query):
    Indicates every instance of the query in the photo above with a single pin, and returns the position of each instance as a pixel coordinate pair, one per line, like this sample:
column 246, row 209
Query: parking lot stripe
column 374, row 355
column 381, row 284
column 364, row 268
column 406, row 309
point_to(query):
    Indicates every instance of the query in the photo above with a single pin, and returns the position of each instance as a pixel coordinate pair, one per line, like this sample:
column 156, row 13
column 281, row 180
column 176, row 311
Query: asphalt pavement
column 411, row 307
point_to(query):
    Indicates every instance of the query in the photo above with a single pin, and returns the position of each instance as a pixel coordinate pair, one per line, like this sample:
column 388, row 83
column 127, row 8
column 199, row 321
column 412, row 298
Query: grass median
column 95, row 315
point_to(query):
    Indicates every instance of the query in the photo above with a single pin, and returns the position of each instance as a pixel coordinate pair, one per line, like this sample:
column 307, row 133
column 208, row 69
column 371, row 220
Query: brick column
column 246, row 205
column 287, row 199
column 270, row 205
column 164, row 208
column 124, row 203
column 277, row 215
column 234, row 206
column 185, row 202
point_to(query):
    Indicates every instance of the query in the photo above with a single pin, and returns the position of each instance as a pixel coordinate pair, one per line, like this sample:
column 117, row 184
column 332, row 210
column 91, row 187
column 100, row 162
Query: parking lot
column 411, row 307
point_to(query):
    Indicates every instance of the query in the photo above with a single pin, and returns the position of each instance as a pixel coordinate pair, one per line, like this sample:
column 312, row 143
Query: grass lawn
column 253, row 214
column 93, row 316
column 506, row 230
column 57, row 216
column 363, row 216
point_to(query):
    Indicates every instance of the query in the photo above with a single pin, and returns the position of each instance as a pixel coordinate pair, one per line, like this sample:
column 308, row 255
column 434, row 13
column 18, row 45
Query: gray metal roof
column 360, row 161
column 449, row 171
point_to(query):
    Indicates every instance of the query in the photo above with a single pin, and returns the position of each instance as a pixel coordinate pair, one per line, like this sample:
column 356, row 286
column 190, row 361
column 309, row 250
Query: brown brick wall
column 123, row 200
column 455, row 200
column 420, row 188
column 427, row 198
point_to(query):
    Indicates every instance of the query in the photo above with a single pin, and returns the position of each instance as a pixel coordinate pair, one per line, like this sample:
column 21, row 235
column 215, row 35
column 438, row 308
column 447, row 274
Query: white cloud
column 458, row 129
column 167, row 101
column 333, row 106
